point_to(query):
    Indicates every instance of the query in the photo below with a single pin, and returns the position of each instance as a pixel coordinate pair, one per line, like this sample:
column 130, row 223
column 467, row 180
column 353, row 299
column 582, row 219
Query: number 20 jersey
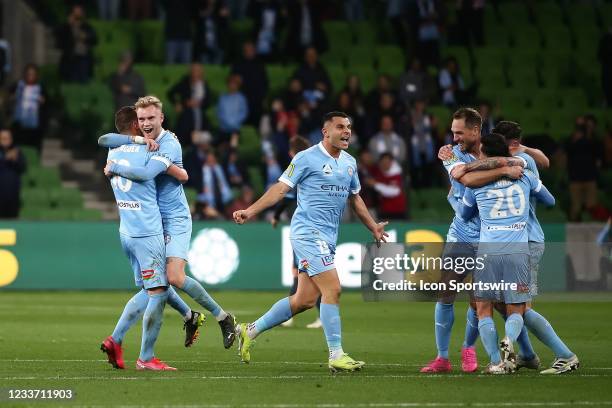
column 136, row 200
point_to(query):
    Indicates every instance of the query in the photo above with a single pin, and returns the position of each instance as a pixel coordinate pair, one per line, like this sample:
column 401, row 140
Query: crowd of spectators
column 395, row 134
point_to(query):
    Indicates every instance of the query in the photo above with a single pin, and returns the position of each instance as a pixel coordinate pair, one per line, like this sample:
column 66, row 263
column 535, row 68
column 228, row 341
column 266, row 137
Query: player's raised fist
column 241, row 216
column 445, row 152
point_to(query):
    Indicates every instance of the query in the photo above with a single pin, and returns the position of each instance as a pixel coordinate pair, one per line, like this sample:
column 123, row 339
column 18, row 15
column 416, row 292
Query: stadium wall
column 70, row 255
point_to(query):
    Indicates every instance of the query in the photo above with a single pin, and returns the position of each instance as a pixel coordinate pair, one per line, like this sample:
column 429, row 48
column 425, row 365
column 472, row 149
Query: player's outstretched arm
column 544, row 196
column 112, row 140
column 178, row 173
column 377, row 229
column 153, row 168
column 477, row 179
column 272, row 196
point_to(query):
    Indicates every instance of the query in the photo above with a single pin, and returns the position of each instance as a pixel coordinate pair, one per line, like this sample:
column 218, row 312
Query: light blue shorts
column 148, row 259
column 177, row 244
column 507, row 269
column 313, row 256
column 536, row 251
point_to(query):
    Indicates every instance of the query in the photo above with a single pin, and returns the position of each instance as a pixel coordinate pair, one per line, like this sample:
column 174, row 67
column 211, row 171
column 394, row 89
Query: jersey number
column 507, row 194
column 121, row 183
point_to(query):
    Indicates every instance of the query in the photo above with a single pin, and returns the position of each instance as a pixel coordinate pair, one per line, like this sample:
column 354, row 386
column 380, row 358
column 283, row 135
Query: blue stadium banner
column 80, row 255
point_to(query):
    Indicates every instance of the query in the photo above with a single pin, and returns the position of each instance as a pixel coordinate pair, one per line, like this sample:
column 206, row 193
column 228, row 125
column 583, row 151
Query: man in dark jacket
column 254, row 81
column 76, row 38
column 12, row 165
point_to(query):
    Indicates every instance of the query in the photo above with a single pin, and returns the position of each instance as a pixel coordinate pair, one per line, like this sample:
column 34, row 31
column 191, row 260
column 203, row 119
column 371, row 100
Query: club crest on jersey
column 147, row 274
column 327, row 169
column 350, row 171
column 304, row 264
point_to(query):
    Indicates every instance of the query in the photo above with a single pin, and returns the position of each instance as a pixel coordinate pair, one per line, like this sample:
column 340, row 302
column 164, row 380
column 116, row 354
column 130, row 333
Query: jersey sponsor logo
column 147, row 274
column 334, row 187
column 327, row 169
column 129, row 205
column 328, row 260
column 517, row 226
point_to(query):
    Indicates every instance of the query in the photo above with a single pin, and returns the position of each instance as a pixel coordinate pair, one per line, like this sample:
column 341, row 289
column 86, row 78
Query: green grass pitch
column 50, row 340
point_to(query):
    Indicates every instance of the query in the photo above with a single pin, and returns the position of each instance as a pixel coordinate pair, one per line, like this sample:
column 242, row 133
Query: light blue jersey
column 503, row 208
column 136, row 200
column 534, row 229
column 460, row 230
column 324, row 183
column 171, row 198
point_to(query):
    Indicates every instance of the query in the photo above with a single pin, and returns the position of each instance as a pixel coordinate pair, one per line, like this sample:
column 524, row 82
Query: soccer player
column 296, row 145
column 565, row 359
column 173, row 206
column 464, row 170
column 502, row 206
column 142, row 239
column 325, row 176
column 127, row 123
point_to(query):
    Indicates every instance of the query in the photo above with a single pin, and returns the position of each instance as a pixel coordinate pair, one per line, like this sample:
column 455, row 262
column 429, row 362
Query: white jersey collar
column 161, row 134
column 327, row 153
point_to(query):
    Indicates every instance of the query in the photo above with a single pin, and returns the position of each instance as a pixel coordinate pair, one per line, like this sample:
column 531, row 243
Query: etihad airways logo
column 334, row 188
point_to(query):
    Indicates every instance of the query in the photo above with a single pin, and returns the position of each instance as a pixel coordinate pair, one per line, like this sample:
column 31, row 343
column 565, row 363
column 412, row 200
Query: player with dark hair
column 325, row 177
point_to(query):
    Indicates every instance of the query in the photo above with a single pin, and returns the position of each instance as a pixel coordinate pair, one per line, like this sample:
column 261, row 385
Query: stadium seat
column 334, row 57
column 338, row 34
column 391, row 60
column 337, row 75
column 367, row 77
column 560, row 124
column 514, row 13
column 523, row 76
column 545, row 99
column 587, row 41
column 527, row 37
column 149, row 41
column 278, row 77
column 364, row 33
column 574, row 100
column 217, row 78
column 66, row 198
column 580, row 15
column 548, row 12
column 557, row 37
column 257, row 180
column 497, row 35
column 249, row 146
column 534, row 122
column 35, row 197
column 49, row 178
column 360, row 55
column 191, row 194
column 31, row 156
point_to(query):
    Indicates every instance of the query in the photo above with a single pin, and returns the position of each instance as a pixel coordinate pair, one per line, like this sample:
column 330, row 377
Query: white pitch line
column 286, row 377
column 378, row 405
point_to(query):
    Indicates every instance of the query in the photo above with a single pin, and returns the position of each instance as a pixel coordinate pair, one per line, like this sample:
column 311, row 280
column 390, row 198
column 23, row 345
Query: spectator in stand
column 272, row 168
column 312, row 74
column 383, row 86
column 583, row 159
column 451, row 83
column 246, row 198
column 415, row 84
column 471, row 15
column 386, row 106
column 608, row 149
column 353, row 87
column 235, row 170
column 196, row 157
column 387, row 141
column 285, row 126
column 211, row 31
column 191, row 97
column 389, row 184
column 108, row 10
column 254, row 81
column 604, row 54
column 12, row 166
column 430, row 21
column 179, row 18
column 126, row 84
column 232, row 109
column 140, row 9
column 29, row 98
column 488, row 122
column 294, row 95
column 345, row 104
column 268, row 21
column 422, row 143
column 366, row 171
column 76, row 39
column 216, row 192
column 305, row 29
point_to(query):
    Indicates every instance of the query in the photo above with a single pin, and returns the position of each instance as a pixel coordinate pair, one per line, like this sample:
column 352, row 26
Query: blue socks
column 132, row 312
column 178, row 304
column 151, row 324
column 526, row 352
column 197, row 292
column 278, row 313
column 330, row 318
column 539, row 326
column 471, row 328
column 444, row 319
column 488, row 335
column 514, row 325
